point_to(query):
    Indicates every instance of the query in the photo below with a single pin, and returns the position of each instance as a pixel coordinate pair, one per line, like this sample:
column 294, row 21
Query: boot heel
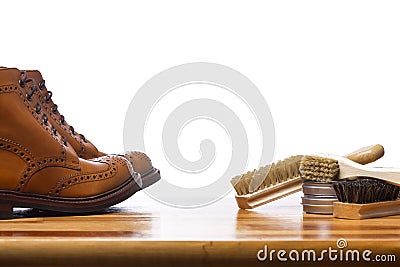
column 6, row 211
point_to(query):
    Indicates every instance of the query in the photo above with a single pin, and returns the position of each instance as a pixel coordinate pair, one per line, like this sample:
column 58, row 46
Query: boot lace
column 38, row 107
column 54, row 109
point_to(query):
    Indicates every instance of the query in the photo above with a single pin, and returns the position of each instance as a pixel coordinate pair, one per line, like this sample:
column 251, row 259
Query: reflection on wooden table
column 144, row 232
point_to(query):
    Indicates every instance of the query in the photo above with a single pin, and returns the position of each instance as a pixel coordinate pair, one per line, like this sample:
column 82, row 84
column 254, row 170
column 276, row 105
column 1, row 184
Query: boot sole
column 10, row 199
column 150, row 177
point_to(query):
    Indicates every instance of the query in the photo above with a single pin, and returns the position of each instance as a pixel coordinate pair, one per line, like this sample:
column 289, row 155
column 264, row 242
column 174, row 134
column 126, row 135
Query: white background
column 329, row 70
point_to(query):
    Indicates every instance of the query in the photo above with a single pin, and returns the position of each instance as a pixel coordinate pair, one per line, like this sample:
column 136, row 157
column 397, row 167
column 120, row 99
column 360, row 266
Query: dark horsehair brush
column 362, row 198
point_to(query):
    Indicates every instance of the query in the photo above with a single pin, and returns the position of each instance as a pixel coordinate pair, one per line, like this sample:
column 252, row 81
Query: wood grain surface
column 142, row 232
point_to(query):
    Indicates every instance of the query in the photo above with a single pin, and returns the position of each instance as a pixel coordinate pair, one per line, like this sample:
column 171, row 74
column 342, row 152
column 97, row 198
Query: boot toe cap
column 140, row 161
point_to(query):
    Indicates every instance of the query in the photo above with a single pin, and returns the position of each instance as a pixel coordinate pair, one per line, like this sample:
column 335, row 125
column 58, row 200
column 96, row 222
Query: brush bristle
column 267, row 176
column 365, row 190
column 318, row 169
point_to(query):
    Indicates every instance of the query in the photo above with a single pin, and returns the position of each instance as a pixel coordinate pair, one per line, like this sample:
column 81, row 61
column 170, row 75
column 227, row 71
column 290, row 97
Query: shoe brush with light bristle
column 327, row 168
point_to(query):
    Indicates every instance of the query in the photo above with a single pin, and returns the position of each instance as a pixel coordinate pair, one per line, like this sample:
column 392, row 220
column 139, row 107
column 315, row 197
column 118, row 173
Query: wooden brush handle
column 350, row 169
column 364, row 211
column 367, row 154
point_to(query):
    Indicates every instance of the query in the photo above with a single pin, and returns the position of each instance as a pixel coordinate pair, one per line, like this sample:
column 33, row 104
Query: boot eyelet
column 45, row 119
column 21, row 83
column 41, row 85
column 65, row 141
column 54, row 130
column 84, row 140
column 38, row 108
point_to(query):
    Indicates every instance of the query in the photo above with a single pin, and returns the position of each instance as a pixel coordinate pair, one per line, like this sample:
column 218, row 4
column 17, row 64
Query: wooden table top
column 143, row 232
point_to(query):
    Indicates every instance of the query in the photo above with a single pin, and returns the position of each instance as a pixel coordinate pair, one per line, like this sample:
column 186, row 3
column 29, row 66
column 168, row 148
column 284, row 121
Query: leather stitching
column 33, row 164
column 23, row 154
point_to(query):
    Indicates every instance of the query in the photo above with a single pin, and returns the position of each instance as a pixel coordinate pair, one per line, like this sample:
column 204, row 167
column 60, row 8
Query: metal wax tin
column 320, row 189
column 318, row 197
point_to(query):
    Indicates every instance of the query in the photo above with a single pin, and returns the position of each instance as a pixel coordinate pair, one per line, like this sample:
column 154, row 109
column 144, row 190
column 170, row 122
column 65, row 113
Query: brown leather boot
column 84, row 148
column 40, row 169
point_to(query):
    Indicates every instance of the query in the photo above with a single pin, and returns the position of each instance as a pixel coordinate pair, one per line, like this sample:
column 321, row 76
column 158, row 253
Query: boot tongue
column 9, row 75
